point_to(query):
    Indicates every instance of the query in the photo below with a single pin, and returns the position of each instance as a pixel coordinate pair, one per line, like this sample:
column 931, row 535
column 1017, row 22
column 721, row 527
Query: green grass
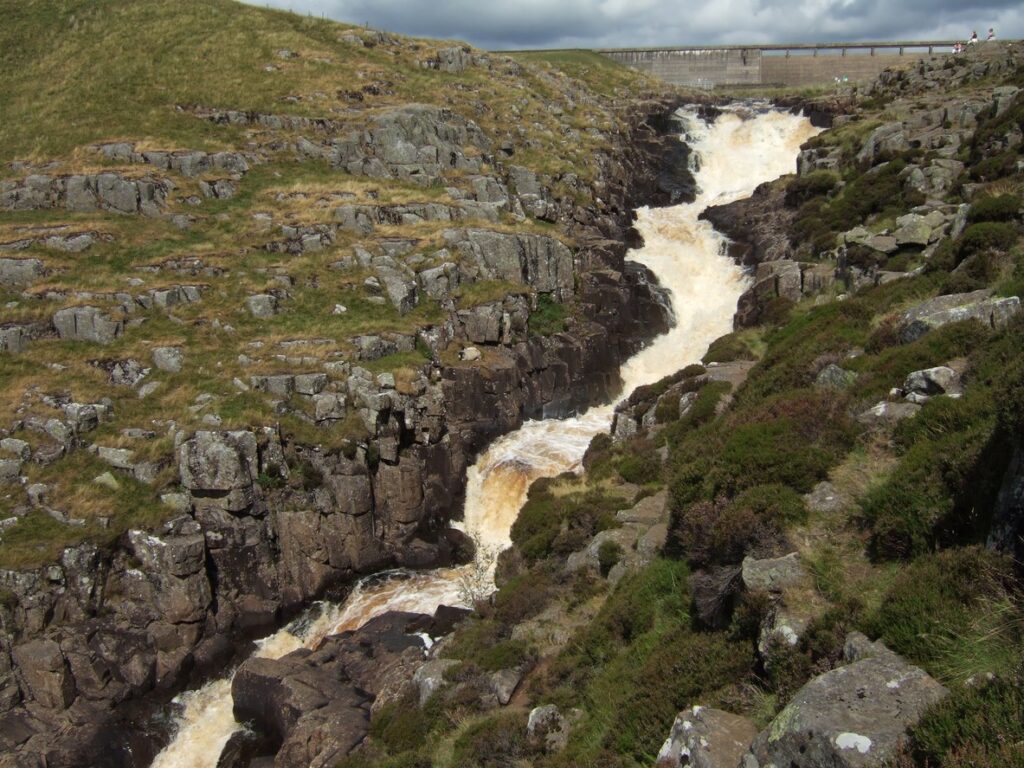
column 600, row 72
column 956, row 613
column 636, row 665
column 38, row 539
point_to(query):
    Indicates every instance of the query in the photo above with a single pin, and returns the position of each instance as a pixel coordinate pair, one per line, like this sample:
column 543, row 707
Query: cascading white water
column 739, row 151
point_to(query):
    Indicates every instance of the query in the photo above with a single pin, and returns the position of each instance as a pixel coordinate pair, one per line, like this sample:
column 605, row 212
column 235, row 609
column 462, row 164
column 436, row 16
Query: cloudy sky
column 610, row 23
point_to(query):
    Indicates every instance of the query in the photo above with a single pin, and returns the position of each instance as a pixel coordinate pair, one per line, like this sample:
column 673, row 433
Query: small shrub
column 401, row 725
column 814, row 184
column 721, row 532
column 694, row 369
column 640, row 466
column 792, row 440
column 701, row 411
column 548, row 318
column 680, row 669
column 976, row 272
column 497, row 742
column 775, row 311
column 307, row 476
column 608, row 556
column 820, row 649
column 522, row 597
column 986, row 236
column 998, row 208
column 976, row 726
column 726, row 349
column 939, row 610
column 271, row 478
column 945, row 486
column 549, row 524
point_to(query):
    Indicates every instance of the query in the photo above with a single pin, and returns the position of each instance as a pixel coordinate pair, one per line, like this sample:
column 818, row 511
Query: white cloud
column 612, row 23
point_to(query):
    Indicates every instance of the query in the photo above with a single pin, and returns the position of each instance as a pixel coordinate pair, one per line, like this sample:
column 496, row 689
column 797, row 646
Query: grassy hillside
column 78, row 73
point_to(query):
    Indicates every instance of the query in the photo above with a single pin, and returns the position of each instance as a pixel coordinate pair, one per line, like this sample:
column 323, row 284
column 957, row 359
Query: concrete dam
column 799, row 64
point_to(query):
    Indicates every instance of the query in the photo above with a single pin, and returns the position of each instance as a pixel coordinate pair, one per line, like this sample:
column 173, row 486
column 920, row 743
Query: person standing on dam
column 991, row 35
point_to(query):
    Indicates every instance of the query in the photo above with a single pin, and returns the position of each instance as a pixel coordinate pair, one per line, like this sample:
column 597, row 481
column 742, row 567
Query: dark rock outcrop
column 268, row 525
column 313, row 707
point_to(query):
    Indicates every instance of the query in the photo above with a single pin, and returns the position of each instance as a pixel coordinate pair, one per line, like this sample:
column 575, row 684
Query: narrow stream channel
column 743, row 148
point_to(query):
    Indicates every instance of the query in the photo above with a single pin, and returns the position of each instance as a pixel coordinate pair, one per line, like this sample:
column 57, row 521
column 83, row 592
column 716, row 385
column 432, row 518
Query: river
column 744, row 147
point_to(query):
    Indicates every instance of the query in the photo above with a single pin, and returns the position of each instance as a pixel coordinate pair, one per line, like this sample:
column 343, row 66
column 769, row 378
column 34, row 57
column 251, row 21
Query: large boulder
column 992, row 312
column 44, row 670
column 219, row 469
column 305, row 703
column 773, row 574
column 853, row 716
column 541, row 262
column 941, row 380
column 703, row 737
column 87, row 324
column 316, row 704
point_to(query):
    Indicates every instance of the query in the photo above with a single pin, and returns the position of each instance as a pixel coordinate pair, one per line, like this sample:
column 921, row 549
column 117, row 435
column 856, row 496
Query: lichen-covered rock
column 834, row 377
column 262, row 305
column 541, row 262
column 885, row 413
column 12, row 339
column 429, row 678
column 703, row 737
column 854, row 716
column 992, row 312
column 773, row 574
column 105, row 191
column 547, row 725
column 169, row 359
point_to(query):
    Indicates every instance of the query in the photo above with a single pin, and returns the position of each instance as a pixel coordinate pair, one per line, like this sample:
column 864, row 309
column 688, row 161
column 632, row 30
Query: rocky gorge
column 258, row 521
column 251, row 360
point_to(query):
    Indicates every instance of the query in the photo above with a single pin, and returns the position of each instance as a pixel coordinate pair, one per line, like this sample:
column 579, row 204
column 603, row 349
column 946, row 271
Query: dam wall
column 774, row 65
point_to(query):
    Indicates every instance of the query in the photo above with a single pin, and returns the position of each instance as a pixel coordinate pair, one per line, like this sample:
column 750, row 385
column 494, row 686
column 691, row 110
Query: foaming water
column 739, row 151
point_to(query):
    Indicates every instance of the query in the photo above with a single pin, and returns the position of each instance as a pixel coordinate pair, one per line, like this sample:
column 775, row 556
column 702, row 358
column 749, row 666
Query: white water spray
column 739, row 151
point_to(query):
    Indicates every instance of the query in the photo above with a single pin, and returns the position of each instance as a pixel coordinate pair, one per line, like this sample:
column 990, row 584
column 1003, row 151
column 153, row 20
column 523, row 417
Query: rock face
column 1007, row 533
column 266, row 525
column 541, row 262
column 316, row 704
column 414, row 143
column 87, row 324
column 853, row 716
column 19, row 272
column 105, row 191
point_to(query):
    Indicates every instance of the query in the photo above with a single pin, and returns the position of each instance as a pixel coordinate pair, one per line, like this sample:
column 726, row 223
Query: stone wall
column 825, row 67
column 696, row 68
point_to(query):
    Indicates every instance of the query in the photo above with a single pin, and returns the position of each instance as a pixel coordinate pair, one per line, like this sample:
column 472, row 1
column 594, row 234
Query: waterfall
column 743, row 148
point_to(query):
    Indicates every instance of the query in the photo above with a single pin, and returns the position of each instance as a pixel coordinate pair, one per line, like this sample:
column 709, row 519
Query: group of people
column 961, row 47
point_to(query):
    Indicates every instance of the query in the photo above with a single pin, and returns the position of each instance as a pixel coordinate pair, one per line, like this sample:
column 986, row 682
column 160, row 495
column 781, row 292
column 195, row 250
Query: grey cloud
column 610, row 23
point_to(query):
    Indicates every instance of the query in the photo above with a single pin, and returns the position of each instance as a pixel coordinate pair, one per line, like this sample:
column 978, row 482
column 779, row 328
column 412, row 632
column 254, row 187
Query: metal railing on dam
column 777, row 64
